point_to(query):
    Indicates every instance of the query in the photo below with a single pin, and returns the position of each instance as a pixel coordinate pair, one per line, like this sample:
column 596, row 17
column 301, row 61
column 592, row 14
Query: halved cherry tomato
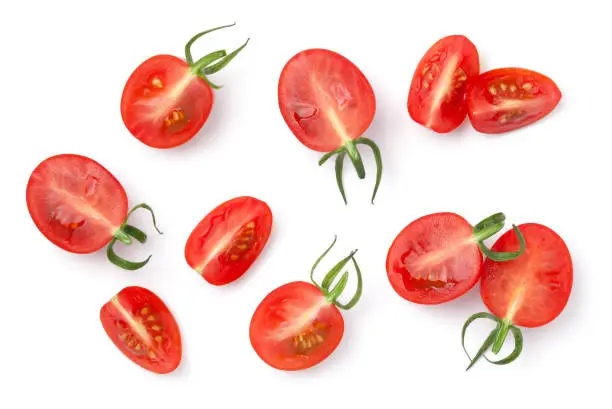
column 529, row 291
column 439, row 85
column 141, row 326
column 167, row 100
column 505, row 99
column 298, row 325
column 438, row 257
column 328, row 104
column 81, row 207
column 227, row 241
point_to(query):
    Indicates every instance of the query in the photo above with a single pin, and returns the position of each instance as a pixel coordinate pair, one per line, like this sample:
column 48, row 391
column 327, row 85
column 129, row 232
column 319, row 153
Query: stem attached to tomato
column 125, row 234
column 350, row 149
column 489, row 227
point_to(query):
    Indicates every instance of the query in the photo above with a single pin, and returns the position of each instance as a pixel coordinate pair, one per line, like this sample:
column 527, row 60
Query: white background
column 64, row 65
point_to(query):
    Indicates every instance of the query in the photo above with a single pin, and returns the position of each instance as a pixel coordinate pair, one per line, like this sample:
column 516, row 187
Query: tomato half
column 505, row 99
column 434, row 259
column 76, row 203
column 295, row 327
column 229, row 239
column 533, row 289
column 437, row 93
column 141, row 326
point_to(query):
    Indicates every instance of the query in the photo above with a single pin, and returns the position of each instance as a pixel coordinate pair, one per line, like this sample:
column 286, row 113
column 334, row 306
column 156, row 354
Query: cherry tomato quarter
column 140, row 325
column 228, row 240
column 506, row 99
column 439, row 85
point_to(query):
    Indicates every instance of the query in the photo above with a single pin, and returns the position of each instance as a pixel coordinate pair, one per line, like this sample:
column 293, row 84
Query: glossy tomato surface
column 325, row 99
column 164, row 104
column 505, row 99
column 141, row 326
column 434, row 259
column 533, row 289
column 295, row 327
column 76, row 203
column 439, row 85
column 229, row 239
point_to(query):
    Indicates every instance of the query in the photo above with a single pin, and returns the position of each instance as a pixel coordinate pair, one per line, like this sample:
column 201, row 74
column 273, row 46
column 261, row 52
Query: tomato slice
column 164, row 104
column 295, row 327
column 533, row 289
column 229, row 239
column 505, row 99
column 325, row 99
column 76, row 203
column 439, row 85
column 141, row 326
column 434, row 259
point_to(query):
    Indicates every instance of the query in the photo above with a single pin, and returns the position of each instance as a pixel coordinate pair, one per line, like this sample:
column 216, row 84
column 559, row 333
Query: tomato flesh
column 295, row 327
column 437, row 93
column 229, row 239
column 506, row 99
column 533, row 289
column 164, row 104
column 76, row 203
column 325, row 99
column 139, row 323
column 434, row 259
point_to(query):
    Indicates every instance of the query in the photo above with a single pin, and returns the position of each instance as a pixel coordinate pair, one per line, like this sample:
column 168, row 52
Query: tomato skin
column 533, row 289
column 164, row 104
column 440, row 246
column 506, row 99
column 430, row 103
column 228, row 240
column 142, row 327
column 75, row 202
column 293, row 312
column 325, row 99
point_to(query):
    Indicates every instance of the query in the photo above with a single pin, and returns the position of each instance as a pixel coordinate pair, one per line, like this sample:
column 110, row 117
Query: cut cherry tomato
column 81, row 207
column 167, row 100
column 438, row 257
column 505, row 99
column 227, row 241
column 298, row 325
column 141, row 326
column 530, row 291
column 328, row 104
column 439, row 85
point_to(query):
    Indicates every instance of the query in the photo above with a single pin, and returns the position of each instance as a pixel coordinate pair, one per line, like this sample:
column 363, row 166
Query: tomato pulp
column 439, row 85
column 140, row 325
column 167, row 100
column 328, row 104
column 229, row 239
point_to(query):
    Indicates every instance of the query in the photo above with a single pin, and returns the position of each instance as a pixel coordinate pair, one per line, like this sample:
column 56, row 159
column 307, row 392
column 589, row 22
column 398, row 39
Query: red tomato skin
column 133, row 299
column 232, row 262
column 446, row 114
column 486, row 111
column 410, row 256
column 156, row 88
column 95, row 186
column 345, row 99
column 539, row 292
column 269, row 319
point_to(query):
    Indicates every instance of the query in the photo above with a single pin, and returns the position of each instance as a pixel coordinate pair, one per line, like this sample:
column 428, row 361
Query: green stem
column 378, row 158
column 339, row 169
column 223, row 63
column 188, row 55
column 355, row 157
column 490, row 226
column 502, row 333
column 123, row 237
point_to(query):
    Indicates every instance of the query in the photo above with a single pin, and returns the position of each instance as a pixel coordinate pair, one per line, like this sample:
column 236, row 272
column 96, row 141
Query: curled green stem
column 489, row 227
column 188, row 56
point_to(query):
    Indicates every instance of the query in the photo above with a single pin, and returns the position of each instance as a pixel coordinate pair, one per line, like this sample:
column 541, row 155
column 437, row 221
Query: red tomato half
column 439, row 84
column 325, row 99
column 295, row 327
column 164, row 104
column 435, row 259
column 227, row 241
column 505, row 99
column 141, row 326
column 533, row 289
column 76, row 203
